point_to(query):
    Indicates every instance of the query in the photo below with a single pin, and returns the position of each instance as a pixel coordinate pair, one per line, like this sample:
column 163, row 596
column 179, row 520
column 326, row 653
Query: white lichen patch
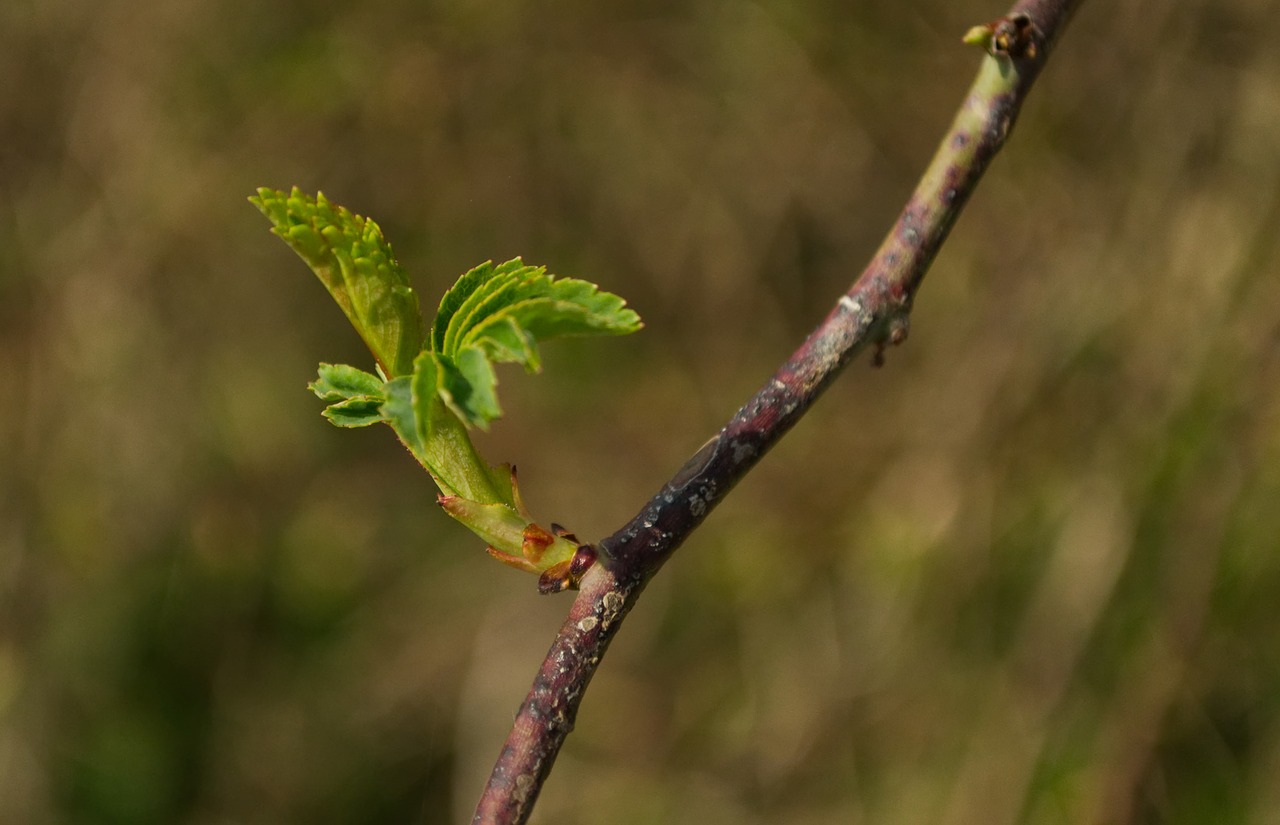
column 612, row 604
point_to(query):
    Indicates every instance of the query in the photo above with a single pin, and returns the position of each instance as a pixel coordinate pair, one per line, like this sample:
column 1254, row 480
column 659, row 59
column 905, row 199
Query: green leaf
column 335, row 382
column 499, row 314
column 454, row 298
column 416, row 410
column 469, row 388
column 355, row 395
column 356, row 265
column 482, row 284
column 355, row 412
column 397, row 410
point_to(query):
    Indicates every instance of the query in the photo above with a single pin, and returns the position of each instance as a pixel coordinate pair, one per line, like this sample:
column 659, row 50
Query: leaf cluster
column 430, row 389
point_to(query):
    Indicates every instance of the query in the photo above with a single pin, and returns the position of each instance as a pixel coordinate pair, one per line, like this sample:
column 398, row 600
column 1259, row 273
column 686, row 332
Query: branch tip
column 1013, row 36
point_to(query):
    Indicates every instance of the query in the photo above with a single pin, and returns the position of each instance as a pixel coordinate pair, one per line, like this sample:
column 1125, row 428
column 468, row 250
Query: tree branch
column 873, row 312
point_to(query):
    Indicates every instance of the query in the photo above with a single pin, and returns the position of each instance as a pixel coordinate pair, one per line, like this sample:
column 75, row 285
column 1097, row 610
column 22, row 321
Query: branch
column 874, row 312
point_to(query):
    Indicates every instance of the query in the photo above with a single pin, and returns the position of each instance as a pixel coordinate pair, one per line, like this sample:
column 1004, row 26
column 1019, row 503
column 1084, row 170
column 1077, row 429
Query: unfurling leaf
column 497, row 314
column 356, row 265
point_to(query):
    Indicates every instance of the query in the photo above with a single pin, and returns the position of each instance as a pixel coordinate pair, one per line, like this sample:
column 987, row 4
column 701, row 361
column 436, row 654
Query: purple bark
column 873, row 312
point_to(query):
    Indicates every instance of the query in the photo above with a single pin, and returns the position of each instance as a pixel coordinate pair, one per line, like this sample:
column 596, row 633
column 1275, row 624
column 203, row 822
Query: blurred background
column 1028, row 571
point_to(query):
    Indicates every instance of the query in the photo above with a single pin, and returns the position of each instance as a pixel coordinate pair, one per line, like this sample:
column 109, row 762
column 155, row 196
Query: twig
column 874, row 312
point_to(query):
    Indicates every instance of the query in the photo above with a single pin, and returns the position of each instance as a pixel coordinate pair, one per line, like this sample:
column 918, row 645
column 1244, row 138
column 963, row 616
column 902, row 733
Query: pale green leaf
column 360, row 411
column 469, row 388
column 397, row 410
column 355, row 263
column 462, row 289
column 499, row 314
column 335, row 382
column 355, row 395
column 446, row 449
column 491, row 281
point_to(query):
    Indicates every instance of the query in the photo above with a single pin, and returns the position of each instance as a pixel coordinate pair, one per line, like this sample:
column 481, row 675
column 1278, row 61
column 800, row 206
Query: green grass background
column 1029, row 571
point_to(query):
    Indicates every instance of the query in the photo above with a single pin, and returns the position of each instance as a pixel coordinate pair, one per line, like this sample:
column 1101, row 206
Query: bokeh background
column 1026, row 572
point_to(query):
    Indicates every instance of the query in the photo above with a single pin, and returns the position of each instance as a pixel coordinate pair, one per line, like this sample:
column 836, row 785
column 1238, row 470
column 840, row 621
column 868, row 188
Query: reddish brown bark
column 874, row 312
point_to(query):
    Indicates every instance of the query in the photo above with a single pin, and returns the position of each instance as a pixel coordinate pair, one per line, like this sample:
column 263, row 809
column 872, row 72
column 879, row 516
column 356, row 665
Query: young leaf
column 416, row 410
column 469, row 387
column 469, row 473
column 356, row 265
column 454, row 298
column 489, row 280
column 397, row 411
column 355, row 412
column 499, row 314
column 336, row 382
column 355, row 396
